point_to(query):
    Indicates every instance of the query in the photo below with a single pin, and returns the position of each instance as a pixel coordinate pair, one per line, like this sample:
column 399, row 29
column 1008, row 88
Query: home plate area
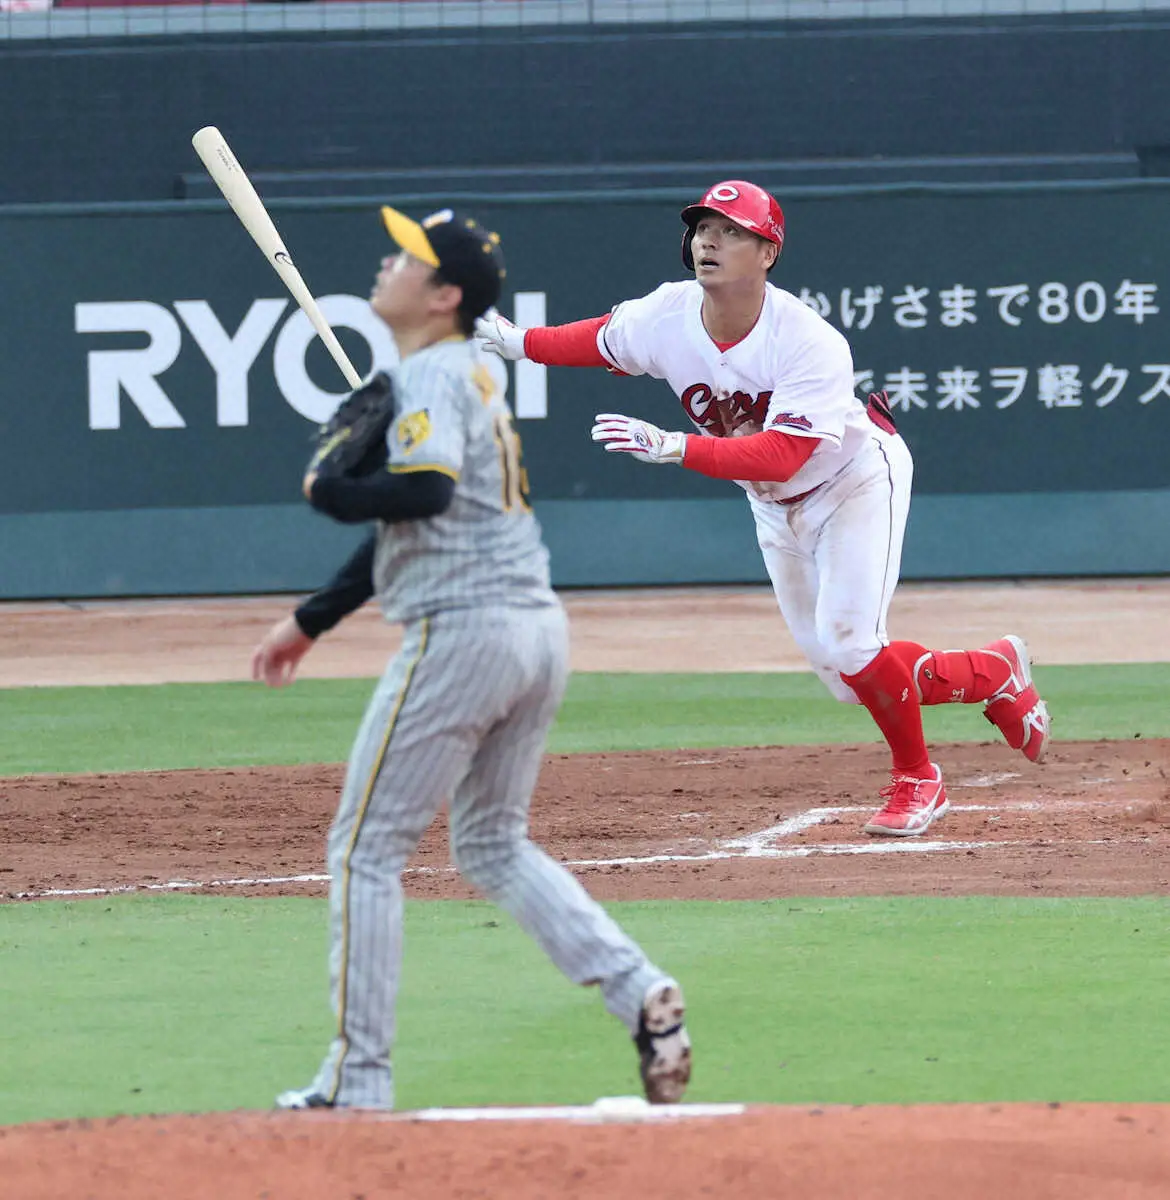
column 730, row 823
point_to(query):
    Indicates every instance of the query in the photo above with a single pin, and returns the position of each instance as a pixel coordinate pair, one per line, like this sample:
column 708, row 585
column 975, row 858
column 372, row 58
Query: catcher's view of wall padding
column 1027, row 363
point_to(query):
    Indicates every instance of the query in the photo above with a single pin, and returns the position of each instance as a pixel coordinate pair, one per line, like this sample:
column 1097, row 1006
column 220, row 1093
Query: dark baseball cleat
column 663, row 1044
column 302, row 1098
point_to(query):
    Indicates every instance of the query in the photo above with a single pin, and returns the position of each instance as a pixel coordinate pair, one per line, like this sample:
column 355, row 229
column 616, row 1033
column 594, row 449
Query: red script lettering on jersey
column 720, row 414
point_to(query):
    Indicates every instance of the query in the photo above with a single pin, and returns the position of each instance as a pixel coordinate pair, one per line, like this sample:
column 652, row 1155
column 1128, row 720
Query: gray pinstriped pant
column 459, row 717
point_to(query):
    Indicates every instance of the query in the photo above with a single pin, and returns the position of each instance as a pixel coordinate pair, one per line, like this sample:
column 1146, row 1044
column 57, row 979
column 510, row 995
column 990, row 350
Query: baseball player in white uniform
column 461, row 715
column 768, row 386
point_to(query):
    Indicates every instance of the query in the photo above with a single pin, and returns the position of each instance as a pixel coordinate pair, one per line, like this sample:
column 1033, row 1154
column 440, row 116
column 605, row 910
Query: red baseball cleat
column 912, row 805
column 1017, row 710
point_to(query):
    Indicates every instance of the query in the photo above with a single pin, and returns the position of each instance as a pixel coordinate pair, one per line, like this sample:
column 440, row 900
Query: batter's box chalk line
column 752, row 845
column 604, row 1111
column 760, row 844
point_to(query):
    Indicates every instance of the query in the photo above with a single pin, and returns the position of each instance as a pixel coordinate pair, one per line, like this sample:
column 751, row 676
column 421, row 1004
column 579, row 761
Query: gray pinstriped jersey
column 486, row 548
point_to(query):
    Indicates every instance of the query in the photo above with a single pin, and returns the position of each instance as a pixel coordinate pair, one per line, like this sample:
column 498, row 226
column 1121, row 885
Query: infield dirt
column 728, row 823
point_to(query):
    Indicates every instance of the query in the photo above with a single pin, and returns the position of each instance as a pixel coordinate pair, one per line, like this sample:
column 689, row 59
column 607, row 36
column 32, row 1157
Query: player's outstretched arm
column 572, row 345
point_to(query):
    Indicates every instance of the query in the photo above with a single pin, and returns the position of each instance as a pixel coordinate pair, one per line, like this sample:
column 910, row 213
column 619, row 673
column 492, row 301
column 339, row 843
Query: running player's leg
column 858, row 555
column 998, row 676
column 792, row 570
column 834, row 562
column 409, row 756
column 954, row 676
column 858, row 558
column 492, row 850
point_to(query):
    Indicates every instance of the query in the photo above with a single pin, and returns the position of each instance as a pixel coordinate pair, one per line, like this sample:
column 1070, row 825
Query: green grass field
column 181, row 1003
column 230, row 724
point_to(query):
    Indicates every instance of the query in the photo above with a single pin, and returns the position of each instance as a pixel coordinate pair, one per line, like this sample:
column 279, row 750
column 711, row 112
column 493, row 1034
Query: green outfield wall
column 160, row 385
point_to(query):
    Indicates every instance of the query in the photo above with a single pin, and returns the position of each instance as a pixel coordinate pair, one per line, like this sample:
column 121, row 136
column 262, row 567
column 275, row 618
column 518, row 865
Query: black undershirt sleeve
column 386, row 497
column 346, row 592
column 383, row 496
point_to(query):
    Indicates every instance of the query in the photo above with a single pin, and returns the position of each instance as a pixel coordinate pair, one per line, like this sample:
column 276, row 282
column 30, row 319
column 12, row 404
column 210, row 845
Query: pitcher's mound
column 959, row 1152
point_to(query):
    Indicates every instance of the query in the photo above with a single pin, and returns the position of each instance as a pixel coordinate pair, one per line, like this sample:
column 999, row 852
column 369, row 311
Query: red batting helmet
column 744, row 203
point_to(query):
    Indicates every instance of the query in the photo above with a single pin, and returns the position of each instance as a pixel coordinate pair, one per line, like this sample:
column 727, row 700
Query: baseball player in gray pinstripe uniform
column 461, row 714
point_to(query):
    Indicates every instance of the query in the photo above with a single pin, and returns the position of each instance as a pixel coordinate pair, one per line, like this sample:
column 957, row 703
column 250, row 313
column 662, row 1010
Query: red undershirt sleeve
column 572, row 345
column 767, row 457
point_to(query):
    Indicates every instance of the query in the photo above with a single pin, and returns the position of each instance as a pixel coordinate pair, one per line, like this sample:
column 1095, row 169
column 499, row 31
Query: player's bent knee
column 489, row 869
column 837, row 686
column 847, row 661
column 843, row 649
column 823, row 663
column 853, row 659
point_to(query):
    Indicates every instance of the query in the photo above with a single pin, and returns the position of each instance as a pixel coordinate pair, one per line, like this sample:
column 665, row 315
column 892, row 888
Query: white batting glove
column 497, row 335
column 644, row 441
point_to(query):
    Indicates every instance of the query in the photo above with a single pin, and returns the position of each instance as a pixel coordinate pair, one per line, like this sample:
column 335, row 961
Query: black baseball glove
column 353, row 441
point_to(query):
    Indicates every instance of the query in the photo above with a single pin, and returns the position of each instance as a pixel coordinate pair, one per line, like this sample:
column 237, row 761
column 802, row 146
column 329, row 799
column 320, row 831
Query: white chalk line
column 754, row 846
column 174, row 885
column 606, row 1110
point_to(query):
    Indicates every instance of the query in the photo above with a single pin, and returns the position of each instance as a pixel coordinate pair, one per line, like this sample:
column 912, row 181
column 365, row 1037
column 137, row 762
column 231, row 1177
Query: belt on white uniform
column 798, row 499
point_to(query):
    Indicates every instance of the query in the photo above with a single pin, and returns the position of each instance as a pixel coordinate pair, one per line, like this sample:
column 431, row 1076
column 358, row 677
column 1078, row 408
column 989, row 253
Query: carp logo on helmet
column 747, row 204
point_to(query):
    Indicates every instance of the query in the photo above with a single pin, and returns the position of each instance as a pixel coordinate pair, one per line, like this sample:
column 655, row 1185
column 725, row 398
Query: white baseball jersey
column 793, row 372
